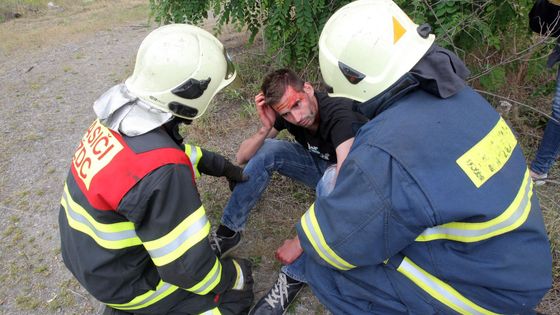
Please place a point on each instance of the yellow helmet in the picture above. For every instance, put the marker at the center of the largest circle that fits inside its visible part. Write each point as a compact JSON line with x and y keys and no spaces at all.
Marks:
{"x":367,"y":45}
{"x":179,"y":68}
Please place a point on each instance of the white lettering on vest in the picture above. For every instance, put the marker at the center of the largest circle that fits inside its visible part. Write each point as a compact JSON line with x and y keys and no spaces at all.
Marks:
{"x":97,"y":148}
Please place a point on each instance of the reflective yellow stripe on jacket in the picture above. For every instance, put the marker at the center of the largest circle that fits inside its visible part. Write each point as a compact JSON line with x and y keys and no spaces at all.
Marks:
{"x":185,"y":235}
{"x":239,"y":280}
{"x":210,"y":281}
{"x":513,"y":217}
{"x":440,"y":290}
{"x":194,"y":153}
{"x":162,"y":290}
{"x":214,"y":311}
{"x":313,"y":232}
{"x":111,"y":236}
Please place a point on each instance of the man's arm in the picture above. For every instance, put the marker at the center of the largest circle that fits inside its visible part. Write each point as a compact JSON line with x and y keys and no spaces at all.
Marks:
{"x":249,"y":147}
{"x":357,"y":223}
{"x":342,"y":152}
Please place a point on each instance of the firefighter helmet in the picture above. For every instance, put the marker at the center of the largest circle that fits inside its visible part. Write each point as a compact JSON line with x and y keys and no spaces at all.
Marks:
{"x":179,"y":68}
{"x":368,"y":45}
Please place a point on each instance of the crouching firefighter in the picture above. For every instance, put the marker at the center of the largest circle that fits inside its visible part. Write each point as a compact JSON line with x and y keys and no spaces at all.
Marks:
{"x":433,"y":211}
{"x":133,"y":230}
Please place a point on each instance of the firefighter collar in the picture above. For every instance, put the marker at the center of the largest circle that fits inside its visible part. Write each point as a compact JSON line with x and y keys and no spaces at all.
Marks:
{"x":118,"y":110}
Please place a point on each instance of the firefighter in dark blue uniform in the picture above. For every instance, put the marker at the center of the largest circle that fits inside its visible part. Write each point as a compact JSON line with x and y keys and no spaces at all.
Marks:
{"x":133,"y":229}
{"x":433,"y":211}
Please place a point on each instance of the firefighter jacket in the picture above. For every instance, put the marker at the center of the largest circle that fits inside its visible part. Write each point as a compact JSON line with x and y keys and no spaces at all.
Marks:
{"x":433,"y":212}
{"x":133,"y":229}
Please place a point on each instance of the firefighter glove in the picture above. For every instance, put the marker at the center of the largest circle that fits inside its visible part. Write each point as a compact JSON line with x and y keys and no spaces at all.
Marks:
{"x":234,"y":174}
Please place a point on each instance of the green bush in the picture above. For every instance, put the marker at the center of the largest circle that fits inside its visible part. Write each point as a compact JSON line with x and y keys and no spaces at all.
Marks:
{"x":291,"y":28}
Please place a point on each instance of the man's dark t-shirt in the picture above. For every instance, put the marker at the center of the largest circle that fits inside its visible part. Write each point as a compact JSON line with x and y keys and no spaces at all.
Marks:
{"x":337,"y":124}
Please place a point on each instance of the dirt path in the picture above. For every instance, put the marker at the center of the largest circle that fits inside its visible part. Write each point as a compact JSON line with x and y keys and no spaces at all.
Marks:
{"x":46,"y":94}
{"x":45,"y":106}
{"x":44,"y":97}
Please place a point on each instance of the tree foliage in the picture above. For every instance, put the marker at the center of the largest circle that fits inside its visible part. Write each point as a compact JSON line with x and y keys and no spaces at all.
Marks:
{"x":291,"y":28}
{"x":485,"y":32}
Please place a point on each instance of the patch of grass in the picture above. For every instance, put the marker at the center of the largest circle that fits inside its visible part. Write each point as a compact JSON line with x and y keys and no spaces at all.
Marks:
{"x":33,"y":137}
{"x":35,"y":85}
{"x":9,"y":231}
{"x":79,"y":55}
{"x":28,"y":302}
{"x":63,"y":300}
{"x":255,"y":261}
{"x":14,"y":219}
{"x":44,"y":270}
{"x":66,"y":22}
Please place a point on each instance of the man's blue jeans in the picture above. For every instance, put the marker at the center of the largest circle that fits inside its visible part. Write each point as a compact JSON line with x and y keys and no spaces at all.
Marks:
{"x":287,"y":158}
{"x":550,"y":144}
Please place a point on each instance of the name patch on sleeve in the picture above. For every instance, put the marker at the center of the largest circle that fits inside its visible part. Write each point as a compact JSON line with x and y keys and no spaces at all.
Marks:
{"x":96,"y":149}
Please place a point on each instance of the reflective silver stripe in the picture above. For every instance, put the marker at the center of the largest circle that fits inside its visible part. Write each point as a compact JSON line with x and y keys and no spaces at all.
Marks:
{"x":107,"y":236}
{"x":214,"y":311}
{"x":316,"y":239}
{"x":163,"y":290}
{"x":470,"y":232}
{"x":240,"y":280}
{"x":193,"y":156}
{"x":195,"y":228}
{"x":440,"y":290}
{"x":149,"y":298}
{"x":209,"y":282}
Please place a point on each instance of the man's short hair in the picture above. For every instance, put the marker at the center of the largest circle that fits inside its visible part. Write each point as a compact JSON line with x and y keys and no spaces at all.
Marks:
{"x":275,"y":84}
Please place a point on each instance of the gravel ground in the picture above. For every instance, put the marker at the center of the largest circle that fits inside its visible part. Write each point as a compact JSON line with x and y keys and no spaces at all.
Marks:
{"x":45,"y":102}
{"x":45,"y":96}
{"x":45,"y":106}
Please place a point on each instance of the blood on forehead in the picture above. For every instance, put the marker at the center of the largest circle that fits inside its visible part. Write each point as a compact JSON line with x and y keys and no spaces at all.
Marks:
{"x":288,"y":100}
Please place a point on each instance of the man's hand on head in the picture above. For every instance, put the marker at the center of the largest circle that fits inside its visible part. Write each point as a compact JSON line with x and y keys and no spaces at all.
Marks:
{"x":267,"y":115}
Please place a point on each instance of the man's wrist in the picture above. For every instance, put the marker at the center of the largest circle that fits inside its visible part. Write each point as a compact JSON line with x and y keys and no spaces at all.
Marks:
{"x":264,"y":131}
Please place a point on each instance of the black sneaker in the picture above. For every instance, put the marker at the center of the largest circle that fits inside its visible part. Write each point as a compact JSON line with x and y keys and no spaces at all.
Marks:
{"x":222,"y":245}
{"x":280,"y":296}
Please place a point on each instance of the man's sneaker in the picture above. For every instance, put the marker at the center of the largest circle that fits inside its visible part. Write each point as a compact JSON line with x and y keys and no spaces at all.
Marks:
{"x":538,"y":179}
{"x":222,"y":245}
{"x":280,"y":296}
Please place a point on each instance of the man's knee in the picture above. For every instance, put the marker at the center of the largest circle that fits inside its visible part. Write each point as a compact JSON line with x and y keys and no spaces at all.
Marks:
{"x":269,"y":153}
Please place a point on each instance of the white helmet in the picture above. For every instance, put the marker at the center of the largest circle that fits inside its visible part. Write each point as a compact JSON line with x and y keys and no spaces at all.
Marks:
{"x":367,"y":45}
{"x":179,"y":68}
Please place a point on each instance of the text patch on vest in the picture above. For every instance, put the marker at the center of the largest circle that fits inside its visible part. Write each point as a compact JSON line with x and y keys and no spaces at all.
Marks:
{"x":97,"y":148}
{"x":489,"y":155}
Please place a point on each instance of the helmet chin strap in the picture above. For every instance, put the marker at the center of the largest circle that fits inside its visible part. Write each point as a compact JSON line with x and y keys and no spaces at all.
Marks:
{"x":172,"y":128}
